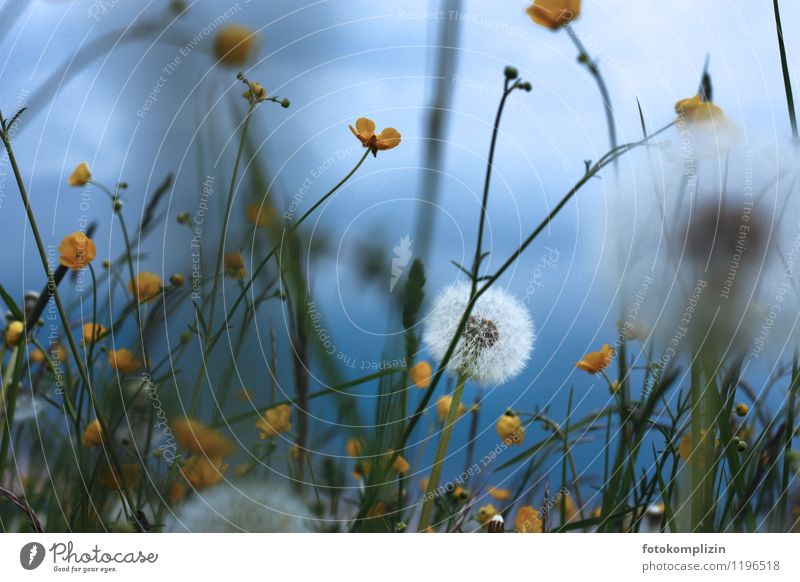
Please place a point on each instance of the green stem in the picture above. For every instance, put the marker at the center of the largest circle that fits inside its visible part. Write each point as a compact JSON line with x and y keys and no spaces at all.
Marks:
{"x":787,"y":81}
{"x":441,"y":453}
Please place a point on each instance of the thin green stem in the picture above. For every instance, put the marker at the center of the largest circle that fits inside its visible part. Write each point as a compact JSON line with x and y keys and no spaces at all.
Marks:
{"x":787,"y":81}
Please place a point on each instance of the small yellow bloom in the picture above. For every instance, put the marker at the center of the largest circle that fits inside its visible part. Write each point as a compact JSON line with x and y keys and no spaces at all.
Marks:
{"x":14,"y":333}
{"x":499,"y":494}
{"x":196,"y":437}
{"x":594,"y":362}
{"x":554,"y":14}
{"x":77,"y":250}
{"x":260,"y":215}
{"x":365,"y":132}
{"x":400,"y":464}
{"x":510,"y":430}
{"x":202,"y":472}
{"x":420,"y":374}
{"x":486,"y":513}
{"x":177,"y":279}
{"x":460,"y":493}
{"x":81,"y":175}
{"x":742,"y":409}
{"x":528,"y":520}
{"x":256,"y":92}
{"x":145,"y":287}
{"x":124,"y":361}
{"x":361,"y":470}
{"x":37,"y":356}
{"x":234,"y":266}
{"x":110,"y":478}
{"x":93,"y":435}
{"x":234,"y":44}
{"x":93,"y":332}
{"x":443,"y":405}
{"x":275,"y":421}
{"x":176,"y":494}
{"x":354,"y":446}
{"x":695,"y":110}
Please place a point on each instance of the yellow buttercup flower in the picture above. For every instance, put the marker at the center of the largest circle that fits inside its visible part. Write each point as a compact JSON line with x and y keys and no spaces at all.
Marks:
{"x":124,"y":361}
{"x":594,"y":362}
{"x":554,"y":14}
{"x":81,"y":175}
{"x":93,"y":435}
{"x":14,"y":333}
{"x":196,"y":437}
{"x":234,"y":44}
{"x":443,"y":406}
{"x":365,"y":132}
{"x":37,"y":356}
{"x":260,"y":215}
{"x":420,"y":374}
{"x":202,"y":472}
{"x":460,"y":493}
{"x":695,"y":110}
{"x":145,"y":287}
{"x":528,"y":520}
{"x":77,"y":250}
{"x":510,"y":430}
{"x":354,"y":446}
{"x":498,"y":493}
{"x":234,"y":266}
{"x":275,"y":421}
{"x":93,"y":332}
{"x":486,"y":513}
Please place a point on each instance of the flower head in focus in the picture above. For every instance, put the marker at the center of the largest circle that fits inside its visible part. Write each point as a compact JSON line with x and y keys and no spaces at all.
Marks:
{"x":496,"y":342}
{"x":77,"y":250}
{"x":196,"y":437}
{"x":275,"y":421}
{"x":80,"y":176}
{"x":234,"y":266}
{"x":595,"y":362}
{"x":509,"y":428}
{"x":234,"y":44}
{"x":146,"y":287}
{"x":365,"y":132}
{"x":554,"y":14}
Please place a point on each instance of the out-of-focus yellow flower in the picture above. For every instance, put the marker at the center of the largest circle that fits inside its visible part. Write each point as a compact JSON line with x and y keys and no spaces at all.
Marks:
{"x":443,"y":405}
{"x":361,"y":470}
{"x":110,"y":478}
{"x":554,"y":14}
{"x":196,"y":437}
{"x":234,"y":266}
{"x":420,"y":374}
{"x":37,"y":356}
{"x":460,"y":493}
{"x":260,"y":215}
{"x":275,"y":421}
{"x":14,"y":333}
{"x":176,"y":279}
{"x":202,"y":472}
{"x":423,"y":483}
{"x":400,"y":464}
{"x":498,"y":494}
{"x":93,"y":435}
{"x":354,"y":446}
{"x":695,"y":110}
{"x":93,"y":332}
{"x":234,"y":44}
{"x":742,"y":409}
{"x":244,"y":395}
{"x":485,"y":513}
{"x":528,"y":520}
{"x":594,"y":362}
{"x":177,"y":492}
{"x":510,"y":430}
{"x":124,"y":361}
{"x":633,"y":331}
{"x":242,"y":469}
{"x":145,"y":287}
{"x":296,"y":453}
{"x":81,"y":175}
{"x":688,"y":447}
{"x":365,"y":132}
{"x":77,"y":250}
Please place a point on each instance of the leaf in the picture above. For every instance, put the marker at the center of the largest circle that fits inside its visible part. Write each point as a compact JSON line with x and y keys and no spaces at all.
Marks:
{"x":12,"y":306}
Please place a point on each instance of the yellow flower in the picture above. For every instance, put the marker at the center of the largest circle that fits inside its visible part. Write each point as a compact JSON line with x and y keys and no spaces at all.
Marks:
{"x":400,"y":464}
{"x":509,"y":428}
{"x":81,"y":175}
{"x":196,"y":437}
{"x":528,"y":520}
{"x":176,"y":279}
{"x":93,"y":332}
{"x":570,"y":509}
{"x":234,"y":44}
{"x":234,"y":266}
{"x":14,"y":333}
{"x":594,"y":362}
{"x":354,"y":446}
{"x":123,"y":361}
{"x":37,"y":356}
{"x":742,"y":409}
{"x":77,"y":251}
{"x":365,"y":132}
{"x":255,"y":91}
{"x":695,"y":110}
{"x":443,"y":405}
{"x":93,"y":435}
{"x":498,"y":493}
{"x":176,"y":493}
{"x":110,"y":478}
{"x":275,"y":421}
{"x":554,"y":14}
{"x":260,"y":215}
{"x":202,"y":472}
{"x":485,"y":513}
{"x":420,"y":374}
{"x":361,"y":469}
{"x":460,"y":493}
{"x":145,"y":287}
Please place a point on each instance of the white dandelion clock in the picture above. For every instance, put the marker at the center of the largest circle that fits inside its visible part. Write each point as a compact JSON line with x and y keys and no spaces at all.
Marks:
{"x":496,"y":342}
